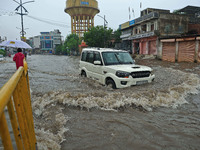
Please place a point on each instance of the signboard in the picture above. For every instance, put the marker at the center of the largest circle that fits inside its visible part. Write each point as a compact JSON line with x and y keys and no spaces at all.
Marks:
{"x":132,"y":22}
{"x":44,"y":32}
{"x":23,"y":38}
{"x":120,"y":27}
{"x":48,"y":44}
{"x":142,"y":35}
{"x":84,"y":3}
{"x":125,"y":25}
{"x":45,"y":37}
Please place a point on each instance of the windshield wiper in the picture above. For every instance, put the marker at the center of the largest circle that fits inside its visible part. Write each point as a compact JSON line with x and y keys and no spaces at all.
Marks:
{"x":118,"y":59}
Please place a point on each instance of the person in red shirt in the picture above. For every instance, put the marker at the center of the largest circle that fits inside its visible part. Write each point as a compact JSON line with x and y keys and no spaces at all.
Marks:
{"x":18,"y":58}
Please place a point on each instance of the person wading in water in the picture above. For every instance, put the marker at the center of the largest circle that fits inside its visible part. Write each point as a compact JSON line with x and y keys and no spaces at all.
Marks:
{"x":18,"y":58}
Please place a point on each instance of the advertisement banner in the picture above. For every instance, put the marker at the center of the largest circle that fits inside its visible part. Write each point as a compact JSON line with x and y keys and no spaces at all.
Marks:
{"x":132,"y":22}
{"x":125,"y":25}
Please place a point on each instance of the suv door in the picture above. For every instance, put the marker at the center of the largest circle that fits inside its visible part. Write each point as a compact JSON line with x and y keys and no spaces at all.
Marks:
{"x":97,"y":69}
{"x":89,"y":63}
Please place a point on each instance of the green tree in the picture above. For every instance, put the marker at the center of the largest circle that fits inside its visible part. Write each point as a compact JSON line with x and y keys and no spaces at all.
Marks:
{"x":65,"y":49}
{"x":71,"y":44}
{"x":2,"y":52}
{"x":58,"y":49}
{"x":117,"y":35}
{"x":98,"y":36}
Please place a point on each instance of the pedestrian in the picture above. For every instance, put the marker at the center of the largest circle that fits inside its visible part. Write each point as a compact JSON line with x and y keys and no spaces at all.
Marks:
{"x":25,"y":54}
{"x":19,"y":58}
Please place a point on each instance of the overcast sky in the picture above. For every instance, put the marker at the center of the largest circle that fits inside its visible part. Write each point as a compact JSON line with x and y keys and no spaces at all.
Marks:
{"x":115,"y":11}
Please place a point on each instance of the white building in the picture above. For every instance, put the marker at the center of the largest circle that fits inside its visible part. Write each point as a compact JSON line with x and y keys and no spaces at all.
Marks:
{"x":36,"y":41}
{"x":47,"y":41}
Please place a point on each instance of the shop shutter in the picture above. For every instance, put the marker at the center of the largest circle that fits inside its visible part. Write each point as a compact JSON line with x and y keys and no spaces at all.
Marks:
{"x":152,"y":48}
{"x":143,"y":48}
{"x":169,"y":51}
{"x":186,"y":51}
{"x":198,"y":57}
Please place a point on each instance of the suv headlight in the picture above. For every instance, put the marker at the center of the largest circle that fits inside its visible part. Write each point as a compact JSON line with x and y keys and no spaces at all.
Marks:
{"x":122,"y":74}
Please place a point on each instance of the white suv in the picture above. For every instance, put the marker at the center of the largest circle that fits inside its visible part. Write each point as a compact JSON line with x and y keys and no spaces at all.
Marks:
{"x":112,"y":67}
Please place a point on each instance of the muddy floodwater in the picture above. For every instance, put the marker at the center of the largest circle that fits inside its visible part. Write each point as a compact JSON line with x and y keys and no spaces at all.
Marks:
{"x":75,"y":113}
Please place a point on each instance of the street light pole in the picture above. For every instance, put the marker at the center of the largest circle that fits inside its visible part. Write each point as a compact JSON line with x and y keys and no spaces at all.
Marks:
{"x":22,"y":14}
{"x":104,"y":18}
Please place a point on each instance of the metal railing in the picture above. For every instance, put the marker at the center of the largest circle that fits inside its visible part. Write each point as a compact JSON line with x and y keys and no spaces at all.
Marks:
{"x":149,"y":16}
{"x":15,"y":94}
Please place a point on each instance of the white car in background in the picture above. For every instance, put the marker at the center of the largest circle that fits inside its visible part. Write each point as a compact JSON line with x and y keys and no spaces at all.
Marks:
{"x":2,"y":58}
{"x":114,"y":68}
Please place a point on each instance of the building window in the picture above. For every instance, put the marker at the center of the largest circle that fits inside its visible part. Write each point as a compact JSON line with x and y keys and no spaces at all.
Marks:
{"x":152,"y":27}
{"x":144,"y":28}
{"x":136,"y":31}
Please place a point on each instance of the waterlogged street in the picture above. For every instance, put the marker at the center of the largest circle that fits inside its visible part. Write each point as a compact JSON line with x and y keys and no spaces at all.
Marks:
{"x":76,"y":113}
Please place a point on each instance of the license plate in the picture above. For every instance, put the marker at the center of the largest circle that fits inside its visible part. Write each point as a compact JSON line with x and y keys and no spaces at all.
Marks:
{"x":141,"y":82}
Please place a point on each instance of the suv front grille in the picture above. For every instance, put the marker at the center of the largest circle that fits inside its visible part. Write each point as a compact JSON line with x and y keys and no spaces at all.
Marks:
{"x":140,"y":74}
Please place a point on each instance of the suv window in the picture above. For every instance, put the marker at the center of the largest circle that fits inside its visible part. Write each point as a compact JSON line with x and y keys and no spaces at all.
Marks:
{"x":97,"y":56}
{"x":90,"y":57}
{"x":83,"y":57}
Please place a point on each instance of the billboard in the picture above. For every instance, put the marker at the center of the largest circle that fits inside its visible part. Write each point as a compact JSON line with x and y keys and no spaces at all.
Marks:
{"x":132,"y":22}
{"x":125,"y":25}
{"x":120,"y":26}
{"x":48,"y":44}
{"x":84,"y":3}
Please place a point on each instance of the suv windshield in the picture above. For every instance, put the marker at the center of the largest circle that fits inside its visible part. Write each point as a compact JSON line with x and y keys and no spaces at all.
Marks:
{"x":116,"y":58}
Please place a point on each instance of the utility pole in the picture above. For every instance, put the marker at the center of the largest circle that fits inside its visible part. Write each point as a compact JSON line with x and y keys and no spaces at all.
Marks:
{"x":105,"y":22}
{"x":21,"y":13}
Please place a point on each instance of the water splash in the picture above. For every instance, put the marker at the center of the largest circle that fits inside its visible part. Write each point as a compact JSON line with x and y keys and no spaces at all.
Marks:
{"x":48,"y":107}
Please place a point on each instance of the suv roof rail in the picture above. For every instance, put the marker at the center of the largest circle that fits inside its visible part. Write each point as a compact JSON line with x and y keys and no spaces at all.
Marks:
{"x":97,"y":48}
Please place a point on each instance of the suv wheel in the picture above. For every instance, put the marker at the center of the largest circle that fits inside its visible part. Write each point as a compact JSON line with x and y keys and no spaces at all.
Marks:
{"x":83,"y":74}
{"x":111,"y":83}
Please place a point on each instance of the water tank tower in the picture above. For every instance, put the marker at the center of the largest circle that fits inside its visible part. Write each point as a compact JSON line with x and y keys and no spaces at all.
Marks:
{"x":82,"y":14}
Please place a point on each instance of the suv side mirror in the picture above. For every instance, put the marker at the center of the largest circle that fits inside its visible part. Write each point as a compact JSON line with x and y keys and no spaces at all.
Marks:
{"x":97,"y":62}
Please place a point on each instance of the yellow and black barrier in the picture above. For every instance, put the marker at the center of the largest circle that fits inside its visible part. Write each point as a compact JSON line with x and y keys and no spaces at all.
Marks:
{"x":15,"y":94}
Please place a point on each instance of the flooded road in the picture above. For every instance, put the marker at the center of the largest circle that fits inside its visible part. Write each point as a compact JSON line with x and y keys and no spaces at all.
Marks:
{"x":76,"y":113}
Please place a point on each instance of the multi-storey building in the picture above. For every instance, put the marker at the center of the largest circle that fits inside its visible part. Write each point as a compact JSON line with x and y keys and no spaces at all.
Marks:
{"x":49,"y":40}
{"x":145,"y":35}
{"x":34,"y":42}
{"x":46,"y":42}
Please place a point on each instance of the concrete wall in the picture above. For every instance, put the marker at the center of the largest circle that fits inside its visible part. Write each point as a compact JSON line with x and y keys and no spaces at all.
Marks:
{"x":194,"y":28}
{"x":173,"y":25}
{"x":159,"y":49}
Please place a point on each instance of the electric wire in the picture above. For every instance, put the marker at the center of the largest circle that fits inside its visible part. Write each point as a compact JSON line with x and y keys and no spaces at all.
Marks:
{"x":4,"y":12}
{"x":51,"y":22}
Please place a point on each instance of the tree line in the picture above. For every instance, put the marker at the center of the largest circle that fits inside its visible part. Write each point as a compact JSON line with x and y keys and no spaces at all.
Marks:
{"x":96,"y":37}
